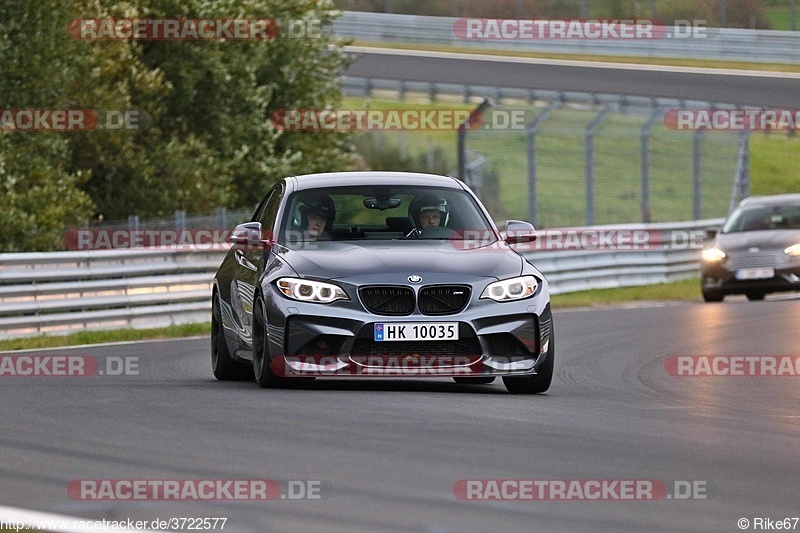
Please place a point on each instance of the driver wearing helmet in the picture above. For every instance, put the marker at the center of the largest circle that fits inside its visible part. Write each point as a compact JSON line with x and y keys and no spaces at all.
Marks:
{"x":429,"y":210}
{"x":317,"y":217}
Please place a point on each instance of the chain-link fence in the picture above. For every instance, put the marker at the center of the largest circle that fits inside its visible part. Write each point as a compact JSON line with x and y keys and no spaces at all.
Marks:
{"x":220,"y":219}
{"x":569,"y":164}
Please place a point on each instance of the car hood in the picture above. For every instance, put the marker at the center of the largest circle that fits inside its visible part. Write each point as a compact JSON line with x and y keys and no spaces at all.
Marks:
{"x":775,"y":240}
{"x":440,"y":260}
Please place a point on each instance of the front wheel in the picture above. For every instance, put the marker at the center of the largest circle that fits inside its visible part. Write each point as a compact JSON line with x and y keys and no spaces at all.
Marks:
{"x":535,"y":383}
{"x":755,"y":296}
{"x":261,"y":360}
{"x":713,"y":296}
{"x":222,"y":364}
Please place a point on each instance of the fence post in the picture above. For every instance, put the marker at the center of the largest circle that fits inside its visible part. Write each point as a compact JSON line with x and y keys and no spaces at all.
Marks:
{"x":533,"y":129}
{"x":134,"y":222}
{"x":589,"y":148}
{"x":646,"y":129}
{"x":697,"y":180}
{"x":741,"y":184}
{"x":461,"y":137}
{"x":222,"y":218}
{"x":180,"y":219}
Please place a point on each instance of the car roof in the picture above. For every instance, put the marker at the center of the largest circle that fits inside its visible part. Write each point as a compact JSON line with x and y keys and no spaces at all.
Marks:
{"x":777,"y":199}
{"x":361,"y":178}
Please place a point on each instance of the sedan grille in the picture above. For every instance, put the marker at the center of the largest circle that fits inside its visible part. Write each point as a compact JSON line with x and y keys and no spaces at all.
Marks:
{"x":756,"y":260}
{"x":388,"y":300}
{"x":443,"y":299}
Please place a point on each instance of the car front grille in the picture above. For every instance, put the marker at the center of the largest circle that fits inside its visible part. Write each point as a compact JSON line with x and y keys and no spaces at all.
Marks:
{"x":443,"y":299}
{"x":756,"y":260}
{"x":388,"y":300}
{"x":463,"y":347}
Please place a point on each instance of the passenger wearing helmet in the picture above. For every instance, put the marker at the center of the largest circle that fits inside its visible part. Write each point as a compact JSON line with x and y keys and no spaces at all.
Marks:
{"x":317,"y":216}
{"x":429,"y":210}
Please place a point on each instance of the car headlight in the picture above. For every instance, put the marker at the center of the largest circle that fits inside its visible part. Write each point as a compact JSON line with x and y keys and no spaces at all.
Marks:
{"x":793,"y":250}
{"x":713,"y":255}
{"x":512,"y":289}
{"x":307,"y":290}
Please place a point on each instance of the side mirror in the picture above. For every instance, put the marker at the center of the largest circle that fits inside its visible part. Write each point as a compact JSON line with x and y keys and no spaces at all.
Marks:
{"x":711,"y":233}
{"x":519,"y":232}
{"x":251,"y":236}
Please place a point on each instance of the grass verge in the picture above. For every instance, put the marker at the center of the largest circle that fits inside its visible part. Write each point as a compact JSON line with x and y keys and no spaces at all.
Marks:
{"x":96,"y":337}
{"x":687,"y":290}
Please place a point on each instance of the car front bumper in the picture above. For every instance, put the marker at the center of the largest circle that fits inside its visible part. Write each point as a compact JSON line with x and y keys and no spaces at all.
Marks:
{"x":495,"y":339}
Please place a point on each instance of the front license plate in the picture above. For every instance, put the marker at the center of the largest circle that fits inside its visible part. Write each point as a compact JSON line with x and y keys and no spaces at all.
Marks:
{"x":423,"y":331}
{"x":755,"y":273}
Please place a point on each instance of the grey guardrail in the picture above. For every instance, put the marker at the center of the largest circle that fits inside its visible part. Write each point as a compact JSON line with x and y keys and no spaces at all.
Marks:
{"x":677,"y":258}
{"x":719,"y":44}
{"x":62,"y":292}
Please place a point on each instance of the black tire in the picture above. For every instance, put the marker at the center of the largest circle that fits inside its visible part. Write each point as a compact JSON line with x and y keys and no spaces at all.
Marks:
{"x":262,"y":370}
{"x":713,"y":296}
{"x":222,"y":364}
{"x":756,"y":296}
{"x":475,"y":381}
{"x":535,"y":383}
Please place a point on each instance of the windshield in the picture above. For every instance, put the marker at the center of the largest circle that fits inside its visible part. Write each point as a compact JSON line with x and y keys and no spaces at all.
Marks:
{"x":384,"y":213}
{"x":764,"y":218}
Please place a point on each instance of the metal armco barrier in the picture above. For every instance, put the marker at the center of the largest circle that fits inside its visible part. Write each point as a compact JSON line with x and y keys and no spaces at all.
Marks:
{"x":63,"y":292}
{"x":770,"y":46}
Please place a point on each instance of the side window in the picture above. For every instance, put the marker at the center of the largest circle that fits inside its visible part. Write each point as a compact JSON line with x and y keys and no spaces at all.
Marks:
{"x":270,"y":209}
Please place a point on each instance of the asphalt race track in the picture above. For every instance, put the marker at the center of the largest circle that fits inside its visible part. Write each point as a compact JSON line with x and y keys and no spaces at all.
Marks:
{"x":389,"y":452}
{"x":781,"y":91}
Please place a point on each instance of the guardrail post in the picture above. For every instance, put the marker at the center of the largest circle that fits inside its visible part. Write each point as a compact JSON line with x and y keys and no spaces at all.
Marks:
{"x":401,"y":90}
{"x":646,"y":130}
{"x":589,"y":148}
{"x":533,"y":128}
{"x":222,"y":218}
{"x":134,"y":222}
{"x":697,"y":181}
{"x":432,"y":92}
{"x":180,"y":219}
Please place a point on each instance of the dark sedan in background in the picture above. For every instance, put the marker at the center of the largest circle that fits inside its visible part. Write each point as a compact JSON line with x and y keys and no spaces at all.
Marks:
{"x":756,"y":252}
{"x":380,"y":274}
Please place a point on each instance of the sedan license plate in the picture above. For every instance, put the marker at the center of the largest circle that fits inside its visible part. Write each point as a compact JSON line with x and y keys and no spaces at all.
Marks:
{"x":755,"y":273}
{"x":412,"y":331}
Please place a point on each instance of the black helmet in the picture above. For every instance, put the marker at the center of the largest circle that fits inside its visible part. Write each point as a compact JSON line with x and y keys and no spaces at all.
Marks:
{"x":428,"y":202}
{"x":319,"y":205}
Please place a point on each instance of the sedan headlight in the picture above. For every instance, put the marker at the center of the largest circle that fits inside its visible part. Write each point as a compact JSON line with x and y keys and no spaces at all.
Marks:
{"x":512,"y":289}
{"x":793,"y":250}
{"x":713,"y":255}
{"x":307,"y":290}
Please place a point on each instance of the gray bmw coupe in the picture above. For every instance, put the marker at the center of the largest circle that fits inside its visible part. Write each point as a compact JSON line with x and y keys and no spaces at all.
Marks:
{"x":380,"y":274}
